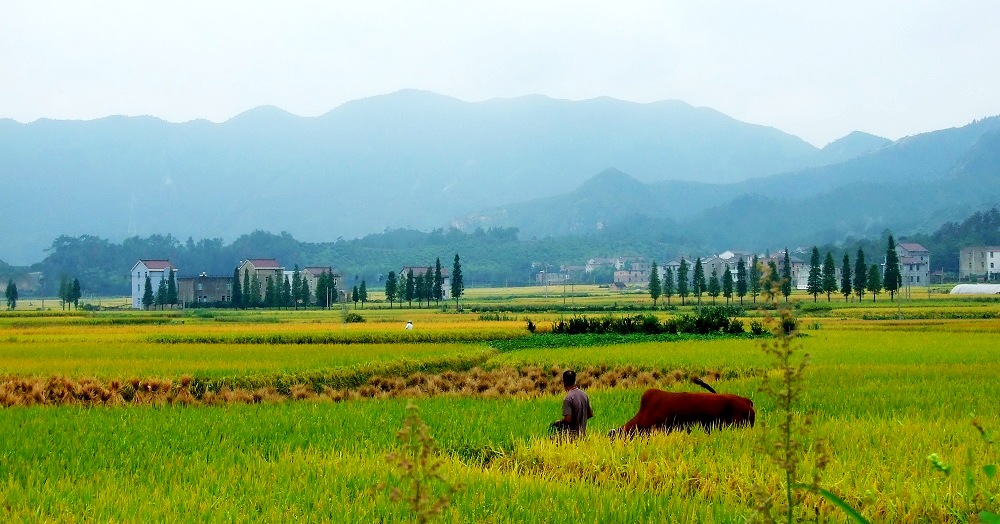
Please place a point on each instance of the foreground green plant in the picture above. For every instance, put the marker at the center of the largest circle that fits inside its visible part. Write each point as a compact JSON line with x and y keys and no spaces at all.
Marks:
{"x":974,"y":491}
{"x":420,"y":468}
{"x":786,"y":444}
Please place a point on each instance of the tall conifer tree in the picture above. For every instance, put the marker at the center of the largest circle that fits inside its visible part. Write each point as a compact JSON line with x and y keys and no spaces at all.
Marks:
{"x":161,"y":293}
{"x":438,"y":290}
{"x":147,"y":293}
{"x":286,"y":293}
{"x":237,"y":300}
{"x":410,"y":287}
{"x":741,"y":279}
{"x":814,"y":286}
{"x":296,"y":286}
{"x":76,"y":293}
{"x":860,"y":274}
{"x":654,"y":283}
{"x":390,"y":288}
{"x":829,"y":275}
{"x":682,"y":281}
{"x":845,"y":277}
{"x":11,"y":294}
{"x":874,"y":281}
{"x":247,"y":297}
{"x":786,"y":276}
{"x":727,"y":284}
{"x":893,"y":277}
{"x":172,"y":288}
{"x":713,"y":285}
{"x":457,"y":280}
{"x":668,"y":283}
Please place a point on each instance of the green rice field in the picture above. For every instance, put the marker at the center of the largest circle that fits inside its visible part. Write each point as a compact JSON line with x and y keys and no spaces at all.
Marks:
{"x":280,"y":416}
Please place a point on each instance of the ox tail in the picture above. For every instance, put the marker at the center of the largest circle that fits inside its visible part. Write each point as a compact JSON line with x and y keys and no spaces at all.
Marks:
{"x":702,"y":383}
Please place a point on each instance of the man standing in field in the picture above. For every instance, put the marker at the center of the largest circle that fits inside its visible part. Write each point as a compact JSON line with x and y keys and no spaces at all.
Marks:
{"x":576,"y":408}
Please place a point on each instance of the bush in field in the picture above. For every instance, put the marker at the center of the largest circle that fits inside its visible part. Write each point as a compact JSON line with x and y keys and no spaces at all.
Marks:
{"x":353,"y":318}
{"x":710,"y":320}
{"x":498,"y":316}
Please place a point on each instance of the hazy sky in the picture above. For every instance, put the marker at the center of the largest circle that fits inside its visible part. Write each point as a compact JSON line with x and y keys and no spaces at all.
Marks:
{"x":815,"y":69}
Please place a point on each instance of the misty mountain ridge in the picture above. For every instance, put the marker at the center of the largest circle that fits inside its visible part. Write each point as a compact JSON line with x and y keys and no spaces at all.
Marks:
{"x":914,"y":184}
{"x":407,"y":159}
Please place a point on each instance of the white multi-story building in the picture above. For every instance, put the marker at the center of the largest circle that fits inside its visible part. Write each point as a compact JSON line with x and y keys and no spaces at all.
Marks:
{"x":914,"y":264}
{"x":979,"y":261}
{"x":156,"y":270}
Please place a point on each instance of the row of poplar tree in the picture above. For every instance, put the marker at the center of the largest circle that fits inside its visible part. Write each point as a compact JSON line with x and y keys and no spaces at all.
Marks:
{"x":166,"y":292}
{"x":69,"y":293}
{"x":426,"y":286}
{"x":760,"y":279}
{"x":294,"y":294}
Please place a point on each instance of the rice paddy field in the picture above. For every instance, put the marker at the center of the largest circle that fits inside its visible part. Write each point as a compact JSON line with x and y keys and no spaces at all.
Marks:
{"x":279,"y":416}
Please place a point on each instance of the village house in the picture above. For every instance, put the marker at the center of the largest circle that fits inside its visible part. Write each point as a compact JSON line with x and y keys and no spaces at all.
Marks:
{"x":310,"y":276}
{"x":799,"y":269}
{"x":204,"y":289}
{"x":156,"y":270}
{"x":914,"y":264}
{"x":718,"y":263}
{"x":632,"y":270}
{"x":548,"y":277}
{"x":594,"y":264}
{"x":265,"y":269}
{"x":979,"y":262}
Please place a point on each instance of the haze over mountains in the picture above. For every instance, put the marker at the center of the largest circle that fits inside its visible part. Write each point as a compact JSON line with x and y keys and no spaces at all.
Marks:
{"x":421,"y":160}
{"x":914,"y":184}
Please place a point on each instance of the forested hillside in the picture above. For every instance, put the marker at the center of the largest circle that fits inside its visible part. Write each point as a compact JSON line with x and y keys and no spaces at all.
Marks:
{"x":494,"y":257}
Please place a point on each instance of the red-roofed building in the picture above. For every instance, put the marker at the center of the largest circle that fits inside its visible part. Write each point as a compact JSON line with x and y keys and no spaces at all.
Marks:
{"x":156,"y":270}
{"x":310,"y":275}
{"x":265,"y":269}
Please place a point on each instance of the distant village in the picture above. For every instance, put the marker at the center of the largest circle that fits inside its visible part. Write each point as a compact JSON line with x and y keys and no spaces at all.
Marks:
{"x":634,"y":271}
{"x":215,"y":290}
{"x":978,"y":263}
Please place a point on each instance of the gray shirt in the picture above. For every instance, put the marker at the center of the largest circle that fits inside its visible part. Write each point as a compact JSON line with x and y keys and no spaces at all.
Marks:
{"x":577,"y":406}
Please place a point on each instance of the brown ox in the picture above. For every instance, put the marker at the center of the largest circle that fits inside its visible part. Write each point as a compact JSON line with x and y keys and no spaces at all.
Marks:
{"x":667,"y":411}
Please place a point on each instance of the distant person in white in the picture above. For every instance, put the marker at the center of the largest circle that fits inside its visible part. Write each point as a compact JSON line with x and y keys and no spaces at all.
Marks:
{"x":409,"y":324}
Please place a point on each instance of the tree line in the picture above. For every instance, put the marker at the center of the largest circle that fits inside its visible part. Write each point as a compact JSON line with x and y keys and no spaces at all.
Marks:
{"x":426,"y":286}
{"x":766,"y":279}
{"x":501,"y":257}
{"x":250,"y":292}
{"x":166,"y":292}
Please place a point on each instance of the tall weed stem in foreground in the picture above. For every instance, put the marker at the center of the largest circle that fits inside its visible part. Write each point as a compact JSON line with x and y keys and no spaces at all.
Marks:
{"x":786,"y":442}
{"x":420,"y":469}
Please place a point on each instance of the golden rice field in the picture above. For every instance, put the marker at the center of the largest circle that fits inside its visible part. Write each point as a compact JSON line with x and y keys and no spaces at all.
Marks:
{"x":275,"y":416}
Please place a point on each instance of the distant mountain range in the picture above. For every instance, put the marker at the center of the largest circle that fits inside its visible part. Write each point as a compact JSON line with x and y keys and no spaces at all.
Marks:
{"x":418,"y":159}
{"x":914,"y":184}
